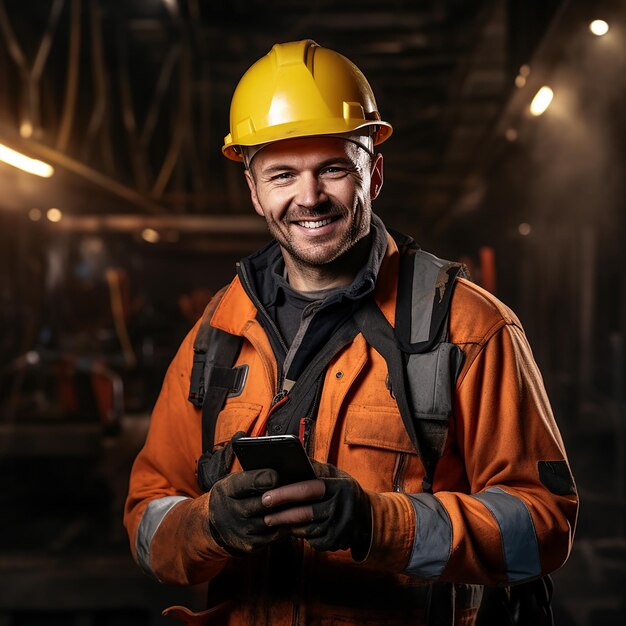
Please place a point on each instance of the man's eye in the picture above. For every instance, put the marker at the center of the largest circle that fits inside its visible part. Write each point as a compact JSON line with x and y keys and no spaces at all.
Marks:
{"x":334,"y":171}
{"x":282,"y":176}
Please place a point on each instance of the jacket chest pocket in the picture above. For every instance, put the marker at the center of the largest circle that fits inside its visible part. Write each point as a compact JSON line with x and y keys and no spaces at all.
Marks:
{"x":235,"y":417}
{"x":377,"y":450}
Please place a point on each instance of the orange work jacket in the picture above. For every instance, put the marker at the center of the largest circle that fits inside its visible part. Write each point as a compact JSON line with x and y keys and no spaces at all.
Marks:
{"x":503,"y":507}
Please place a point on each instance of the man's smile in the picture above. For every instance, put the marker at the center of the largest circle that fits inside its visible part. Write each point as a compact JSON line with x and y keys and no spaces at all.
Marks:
{"x":315,"y":224}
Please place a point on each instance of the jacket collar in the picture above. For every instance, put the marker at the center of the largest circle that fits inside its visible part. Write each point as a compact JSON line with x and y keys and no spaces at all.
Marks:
{"x":236,"y":309}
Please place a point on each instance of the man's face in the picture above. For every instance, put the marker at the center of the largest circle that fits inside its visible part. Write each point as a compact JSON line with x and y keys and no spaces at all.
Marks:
{"x":315,"y":194}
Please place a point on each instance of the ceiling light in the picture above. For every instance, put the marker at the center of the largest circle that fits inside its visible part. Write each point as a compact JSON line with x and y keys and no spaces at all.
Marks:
{"x":520,"y":81}
{"x":35,"y":215}
{"x":26,"y":129}
{"x":150,"y":235}
{"x":22,"y":162}
{"x":541,"y":101}
{"x":171,"y":5}
{"x":511,"y":134}
{"x":54,"y":215}
{"x":524,"y":229}
{"x":599,"y":27}
{"x":524,"y":71}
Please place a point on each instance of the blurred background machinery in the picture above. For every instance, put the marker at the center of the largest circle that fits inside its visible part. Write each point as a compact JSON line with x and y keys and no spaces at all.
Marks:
{"x":119,"y":218}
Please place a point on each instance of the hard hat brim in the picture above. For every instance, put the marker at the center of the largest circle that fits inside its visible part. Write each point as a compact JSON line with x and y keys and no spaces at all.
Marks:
{"x":311,"y":128}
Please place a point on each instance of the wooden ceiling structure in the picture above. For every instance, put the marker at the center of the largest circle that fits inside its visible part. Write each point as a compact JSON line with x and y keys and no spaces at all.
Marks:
{"x":129,"y":100}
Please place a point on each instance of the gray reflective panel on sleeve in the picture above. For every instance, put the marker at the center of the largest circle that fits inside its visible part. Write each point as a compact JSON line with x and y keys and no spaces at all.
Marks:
{"x":150,"y":521}
{"x":433,"y":537}
{"x":519,"y":540}
{"x":425,"y":273}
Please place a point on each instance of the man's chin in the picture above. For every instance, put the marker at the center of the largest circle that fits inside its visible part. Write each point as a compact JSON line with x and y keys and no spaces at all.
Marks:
{"x":315,"y":261}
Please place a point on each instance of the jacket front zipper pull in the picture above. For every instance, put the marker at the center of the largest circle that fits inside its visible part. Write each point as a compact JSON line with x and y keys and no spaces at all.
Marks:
{"x":278,"y":398}
{"x":278,"y":401}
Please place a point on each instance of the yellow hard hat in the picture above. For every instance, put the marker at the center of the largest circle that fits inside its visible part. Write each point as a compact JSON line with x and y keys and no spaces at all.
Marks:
{"x":300,"y":89}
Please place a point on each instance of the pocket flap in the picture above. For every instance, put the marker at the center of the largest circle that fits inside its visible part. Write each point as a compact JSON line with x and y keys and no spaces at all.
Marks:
{"x":377,"y":427}
{"x":235,"y":416}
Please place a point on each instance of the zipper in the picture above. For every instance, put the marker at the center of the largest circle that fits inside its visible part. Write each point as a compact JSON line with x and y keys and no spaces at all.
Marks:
{"x":309,"y":421}
{"x":278,"y":398}
{"x":399,"y":470}
{"x":261,"y":309}
{"x":277,"y":402}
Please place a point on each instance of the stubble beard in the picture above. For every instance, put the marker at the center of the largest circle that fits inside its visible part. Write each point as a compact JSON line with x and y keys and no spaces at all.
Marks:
{"x":319,"y":256}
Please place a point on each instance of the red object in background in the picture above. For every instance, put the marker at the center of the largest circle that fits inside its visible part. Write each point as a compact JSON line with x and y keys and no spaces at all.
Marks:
{"x":487,"y":256}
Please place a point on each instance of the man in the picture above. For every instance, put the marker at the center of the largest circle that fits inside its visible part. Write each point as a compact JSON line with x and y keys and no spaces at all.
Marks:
{"x":367,"y":540}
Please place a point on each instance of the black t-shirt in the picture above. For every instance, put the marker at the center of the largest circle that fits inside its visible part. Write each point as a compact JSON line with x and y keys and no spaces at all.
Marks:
{"x":290,"y":305}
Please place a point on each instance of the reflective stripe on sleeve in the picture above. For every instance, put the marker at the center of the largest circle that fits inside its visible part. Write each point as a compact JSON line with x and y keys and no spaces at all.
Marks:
{"x":433,"y":537}
{"x":519,"y":540}
{"x":150,"y":521}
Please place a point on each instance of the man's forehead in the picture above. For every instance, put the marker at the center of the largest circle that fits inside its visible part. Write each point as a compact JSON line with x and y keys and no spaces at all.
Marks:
{"x":306,"y":149}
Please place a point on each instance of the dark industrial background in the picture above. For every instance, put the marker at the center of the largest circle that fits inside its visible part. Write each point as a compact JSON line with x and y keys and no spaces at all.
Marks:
{"x":105,"y":265}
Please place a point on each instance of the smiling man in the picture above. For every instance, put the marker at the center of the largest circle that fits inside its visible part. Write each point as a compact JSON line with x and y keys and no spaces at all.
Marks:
{"x":439,"y":465}
{"x":315,"y":194}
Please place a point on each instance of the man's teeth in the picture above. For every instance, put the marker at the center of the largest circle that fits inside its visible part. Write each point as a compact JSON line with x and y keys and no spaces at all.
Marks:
{"x":317,"y":224}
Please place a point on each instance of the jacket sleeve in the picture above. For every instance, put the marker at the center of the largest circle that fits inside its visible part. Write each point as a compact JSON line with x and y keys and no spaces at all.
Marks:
{"x":517,"y":520}
{"x":166,"y":513}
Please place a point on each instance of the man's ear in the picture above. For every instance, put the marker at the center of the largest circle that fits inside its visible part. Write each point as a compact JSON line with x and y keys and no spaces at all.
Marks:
{"x":376,"y":181}
{"x":253,"y":195}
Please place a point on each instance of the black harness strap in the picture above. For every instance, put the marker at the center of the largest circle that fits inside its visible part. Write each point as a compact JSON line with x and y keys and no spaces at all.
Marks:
{"x":221,"y":380}
{"x":302,"y":394}
{"x":213,"y":377}
{"x":420,"y":373}
{"x":379,"y":334}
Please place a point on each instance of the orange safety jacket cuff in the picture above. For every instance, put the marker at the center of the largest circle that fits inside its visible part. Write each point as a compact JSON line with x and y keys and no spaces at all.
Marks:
{"x":150,"y":521}
{"x":174,"y":543}
{"x":393,"y":531}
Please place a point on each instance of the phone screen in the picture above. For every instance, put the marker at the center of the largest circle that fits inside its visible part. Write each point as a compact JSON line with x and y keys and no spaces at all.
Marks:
{"x":283,"y":453}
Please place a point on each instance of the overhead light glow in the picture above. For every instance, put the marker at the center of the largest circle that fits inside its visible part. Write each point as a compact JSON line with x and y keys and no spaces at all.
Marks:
{"x":524,"y":70}
{"x":26,"y":129}
{"x":22,"y":162}
{"x":541,"y":101}
{"x":524,"y":229}
{"x":520,"y":81}
{"x":150,"y":235}
{"x":172,"y":5}
{"x":511,"y":134}
{"x":599,"y":27}
{"x":34,"y":215}
{"x":54,"y":215}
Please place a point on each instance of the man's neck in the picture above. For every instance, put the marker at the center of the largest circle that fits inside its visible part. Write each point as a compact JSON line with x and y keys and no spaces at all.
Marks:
{"x":339,"y":273}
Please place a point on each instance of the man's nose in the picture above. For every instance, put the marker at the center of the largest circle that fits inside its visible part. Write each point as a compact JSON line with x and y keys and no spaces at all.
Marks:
{"x":310,"y":191}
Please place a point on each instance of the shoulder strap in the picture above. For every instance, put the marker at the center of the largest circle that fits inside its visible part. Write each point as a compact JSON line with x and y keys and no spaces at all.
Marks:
{"x":425,"y":287}
{"x":422,"y":364}
{"x":213,"y":376}
{"x":379,"y":334}
{"x":297,"y":404}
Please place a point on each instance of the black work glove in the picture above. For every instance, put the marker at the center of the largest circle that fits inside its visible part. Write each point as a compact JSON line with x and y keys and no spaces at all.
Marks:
{"x":212,"y":466}
{"x":236,"y":512}
{"x":342,"y":519}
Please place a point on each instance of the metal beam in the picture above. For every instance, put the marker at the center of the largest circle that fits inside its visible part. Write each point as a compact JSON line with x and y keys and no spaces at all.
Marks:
{"x":41,"y":151}
{"x":201,"y":224}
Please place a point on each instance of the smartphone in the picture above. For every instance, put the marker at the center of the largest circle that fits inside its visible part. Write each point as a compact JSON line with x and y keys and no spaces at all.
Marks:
{"x":283,"y":453}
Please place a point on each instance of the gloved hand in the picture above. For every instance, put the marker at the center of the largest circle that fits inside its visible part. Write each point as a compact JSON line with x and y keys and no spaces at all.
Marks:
{"x":214,"y":465}
{"x":236,"y":512}
{"x":340,"y":520}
